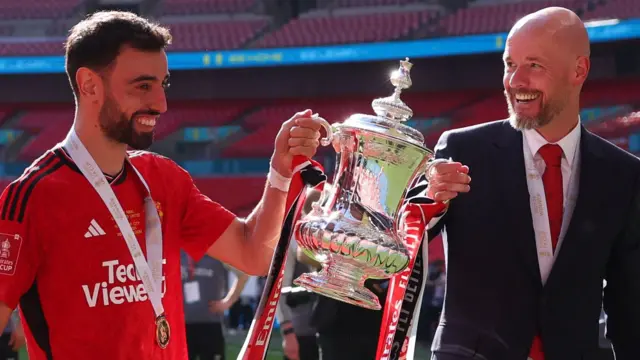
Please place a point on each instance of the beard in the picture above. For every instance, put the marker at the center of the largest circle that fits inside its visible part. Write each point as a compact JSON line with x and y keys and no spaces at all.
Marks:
{"x":548,"y":111}
{"x":117,"y":126}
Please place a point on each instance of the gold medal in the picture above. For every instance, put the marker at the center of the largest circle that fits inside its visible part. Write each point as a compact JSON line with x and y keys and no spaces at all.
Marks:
{"x":163,"y":332}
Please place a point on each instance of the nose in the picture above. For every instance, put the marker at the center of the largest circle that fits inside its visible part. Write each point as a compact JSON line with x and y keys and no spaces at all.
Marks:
{"x":518,"y":79}
{"x":160,"y":102}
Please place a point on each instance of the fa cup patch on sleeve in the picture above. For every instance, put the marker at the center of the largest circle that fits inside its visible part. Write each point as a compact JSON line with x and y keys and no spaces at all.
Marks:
{"x":9,"y":252}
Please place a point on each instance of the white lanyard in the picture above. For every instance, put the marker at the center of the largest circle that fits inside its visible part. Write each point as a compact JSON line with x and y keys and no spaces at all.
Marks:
{"x":540,"y":216}
{"x":151,"y":276}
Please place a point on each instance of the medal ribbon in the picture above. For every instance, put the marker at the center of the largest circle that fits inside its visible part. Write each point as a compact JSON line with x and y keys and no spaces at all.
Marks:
{"x":404,"y":296}
{"x":307,"y":173}
{"x":150,"y":272}
{"x":540,"y":215}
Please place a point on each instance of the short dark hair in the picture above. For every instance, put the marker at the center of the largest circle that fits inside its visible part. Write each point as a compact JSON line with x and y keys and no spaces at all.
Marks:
{"x":96,"y":41}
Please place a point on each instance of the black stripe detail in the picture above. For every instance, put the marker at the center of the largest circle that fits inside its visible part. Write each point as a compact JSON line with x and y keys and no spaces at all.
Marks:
{"x":33,"y":171}
{"x":121,"y":177}
{"x":66,"y":159}
{"x":7,"y":200}
{"x":49,"y":171}
{"x":31,"y":307}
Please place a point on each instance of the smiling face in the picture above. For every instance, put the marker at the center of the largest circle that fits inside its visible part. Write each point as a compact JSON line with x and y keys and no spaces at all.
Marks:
{"x":536,"y":79}
{"x":134,"y":97}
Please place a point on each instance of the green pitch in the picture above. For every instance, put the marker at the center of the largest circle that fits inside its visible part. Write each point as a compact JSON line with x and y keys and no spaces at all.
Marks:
{"x":234,"y":345}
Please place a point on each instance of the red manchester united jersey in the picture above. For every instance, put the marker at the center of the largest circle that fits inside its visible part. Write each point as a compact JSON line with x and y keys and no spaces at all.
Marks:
{"x":64,"y":262}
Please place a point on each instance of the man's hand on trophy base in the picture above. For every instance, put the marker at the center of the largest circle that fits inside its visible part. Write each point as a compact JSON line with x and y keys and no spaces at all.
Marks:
{"x":298,"y":136}
{"x":447,"y":180}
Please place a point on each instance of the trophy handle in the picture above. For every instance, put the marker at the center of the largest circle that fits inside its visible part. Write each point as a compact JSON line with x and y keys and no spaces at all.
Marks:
{"x":325,"y":141}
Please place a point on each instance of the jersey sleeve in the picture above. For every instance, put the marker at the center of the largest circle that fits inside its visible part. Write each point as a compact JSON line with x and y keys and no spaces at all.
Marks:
{"x":20,"y":251}
{"x":203,"y":220}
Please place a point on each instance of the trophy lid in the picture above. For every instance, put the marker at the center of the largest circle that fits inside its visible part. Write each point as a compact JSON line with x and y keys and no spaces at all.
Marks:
{"x":391,"y":111}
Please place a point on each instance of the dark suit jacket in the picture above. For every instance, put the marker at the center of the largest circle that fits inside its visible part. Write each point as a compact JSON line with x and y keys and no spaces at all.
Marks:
{"x":495,"y":301}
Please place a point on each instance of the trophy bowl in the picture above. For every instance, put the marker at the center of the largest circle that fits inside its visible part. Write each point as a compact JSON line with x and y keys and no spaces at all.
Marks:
{"x":354,"y":229}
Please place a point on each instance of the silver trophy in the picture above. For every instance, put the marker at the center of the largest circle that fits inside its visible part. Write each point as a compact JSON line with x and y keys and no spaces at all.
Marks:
{"x":354,"y":230}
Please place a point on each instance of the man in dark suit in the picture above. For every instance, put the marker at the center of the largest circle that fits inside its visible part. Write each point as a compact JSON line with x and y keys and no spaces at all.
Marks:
{"x":553,"y":212}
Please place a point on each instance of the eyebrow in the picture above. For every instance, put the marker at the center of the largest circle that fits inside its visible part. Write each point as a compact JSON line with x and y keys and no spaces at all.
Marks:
{"x":533,"y":58}
{"x":149,"y":78}
{"x":528,"y":58}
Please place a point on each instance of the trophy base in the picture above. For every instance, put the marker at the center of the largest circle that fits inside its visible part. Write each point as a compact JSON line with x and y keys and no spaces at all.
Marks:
{"x":339,"y":288}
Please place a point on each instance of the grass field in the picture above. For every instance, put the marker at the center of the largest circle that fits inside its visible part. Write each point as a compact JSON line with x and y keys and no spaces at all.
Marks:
{"x":234,"y":345}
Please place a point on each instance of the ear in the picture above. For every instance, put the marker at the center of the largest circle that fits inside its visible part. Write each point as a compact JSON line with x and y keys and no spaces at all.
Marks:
{"x":583,"y":65}
{"x":90,"y":84}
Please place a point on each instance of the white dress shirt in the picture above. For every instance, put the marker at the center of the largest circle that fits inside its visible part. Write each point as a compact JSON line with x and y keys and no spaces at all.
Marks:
{"x":570,"y":154}
{"x":570,"y":165}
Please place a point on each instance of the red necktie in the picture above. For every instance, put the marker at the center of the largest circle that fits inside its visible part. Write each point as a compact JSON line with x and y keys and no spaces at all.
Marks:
{"x":552,"y":180}
{"x":554,"y":194}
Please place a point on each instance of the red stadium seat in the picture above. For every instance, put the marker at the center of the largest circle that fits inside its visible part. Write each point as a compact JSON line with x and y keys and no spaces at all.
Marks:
{"x":363,"y":3}
{"x":496,"y":17}
{"x":189,"y":7}
{"x":37,"y":9}
{"x":614,"y":9}
{"x":214,"y":35}
{"x":217,"y":188}
{"x":343,"y":29}
{"x":618,"y":126}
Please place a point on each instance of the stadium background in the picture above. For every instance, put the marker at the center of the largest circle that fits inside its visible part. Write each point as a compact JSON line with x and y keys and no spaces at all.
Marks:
{"x":241,"y":67}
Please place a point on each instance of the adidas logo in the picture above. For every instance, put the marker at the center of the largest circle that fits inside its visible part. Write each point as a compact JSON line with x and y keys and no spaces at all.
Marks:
{"x":94,"y":230}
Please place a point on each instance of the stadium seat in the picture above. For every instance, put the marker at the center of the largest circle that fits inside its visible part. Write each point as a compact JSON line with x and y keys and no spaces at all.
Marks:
{"x":37,"y":9}
{"x":249,"y":190}
{"x":263,"y":125}
{"x":192,"y":7}
{"x":5,"y":111}
{"x":494,"y":17}
{"x":214,"y":35}
{"x":367,"y":3}
{"x":614,"y":9}
{"x":618,"y":126}
{"x":347,"y":28}
{"x":198,"y":114}
{"x":187,"y":36}
{"x":31,"y":48}
{"x":48,"y":126}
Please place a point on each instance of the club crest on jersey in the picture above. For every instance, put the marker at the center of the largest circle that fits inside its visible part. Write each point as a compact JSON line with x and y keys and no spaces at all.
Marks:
{"x":9,"y":252}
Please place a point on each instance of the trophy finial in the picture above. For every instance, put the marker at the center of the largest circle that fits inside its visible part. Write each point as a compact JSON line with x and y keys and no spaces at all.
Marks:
{"x":393,"y":107}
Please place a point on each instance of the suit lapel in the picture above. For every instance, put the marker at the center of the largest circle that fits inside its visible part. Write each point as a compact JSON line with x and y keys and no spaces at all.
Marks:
{"x":512,"y":183}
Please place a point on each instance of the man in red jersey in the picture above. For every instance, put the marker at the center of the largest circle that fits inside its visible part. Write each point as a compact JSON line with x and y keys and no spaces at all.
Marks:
{"x":90,"y":232}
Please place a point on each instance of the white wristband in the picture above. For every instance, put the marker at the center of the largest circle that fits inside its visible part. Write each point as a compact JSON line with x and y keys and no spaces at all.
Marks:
{"x":278,"y":181}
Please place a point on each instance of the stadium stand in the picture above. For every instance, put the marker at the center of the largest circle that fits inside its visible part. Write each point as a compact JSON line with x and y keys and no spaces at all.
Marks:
{"x":47,"y":125}
{"x":37,"y":9}
{"x":322,"y":28}
{"x":230,"y":24}
{"x":189,"y":7}
{"x":613,"y":9}
{"x":495,"y":16}
{"x":215,"y":35}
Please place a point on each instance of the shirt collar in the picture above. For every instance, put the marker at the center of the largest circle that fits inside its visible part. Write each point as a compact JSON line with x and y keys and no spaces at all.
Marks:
{"x":569,"y":143}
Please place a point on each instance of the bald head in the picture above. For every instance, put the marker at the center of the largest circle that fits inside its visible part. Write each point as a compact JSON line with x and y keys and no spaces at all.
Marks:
{"x":546,"y":61}
{"x":562,"y":26}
